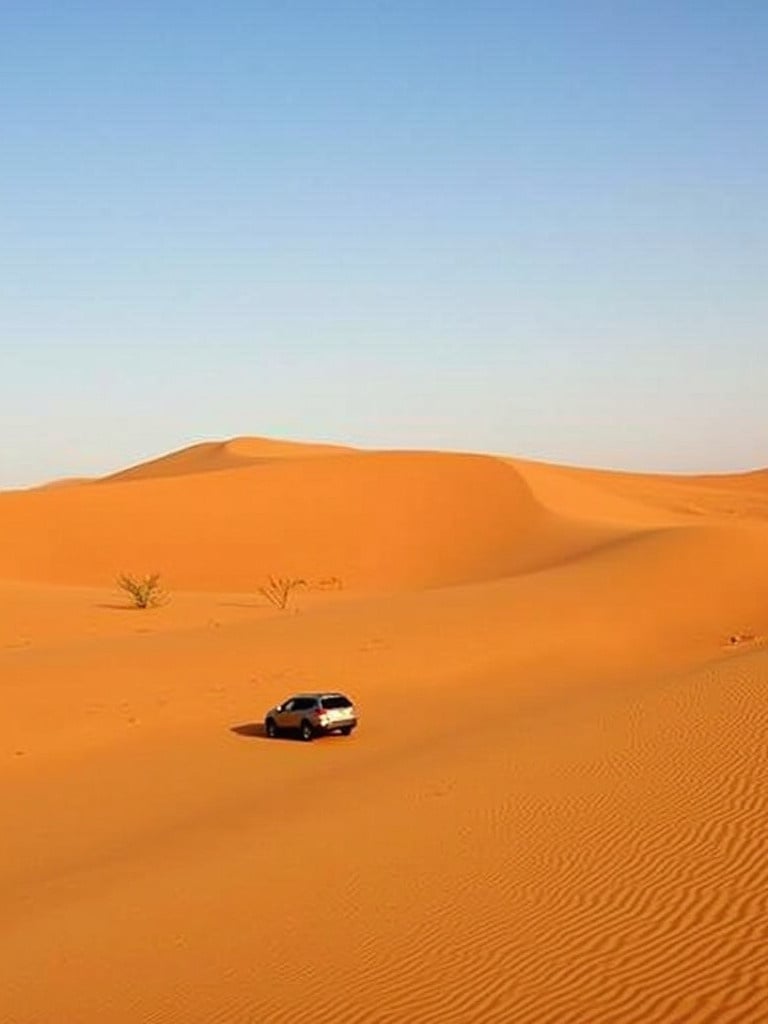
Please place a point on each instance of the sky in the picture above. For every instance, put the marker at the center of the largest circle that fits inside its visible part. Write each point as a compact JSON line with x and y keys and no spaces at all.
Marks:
{"x":537,"y":229}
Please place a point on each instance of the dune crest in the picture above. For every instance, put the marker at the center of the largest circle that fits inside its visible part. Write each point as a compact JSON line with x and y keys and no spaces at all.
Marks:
{"x":214,"y":456}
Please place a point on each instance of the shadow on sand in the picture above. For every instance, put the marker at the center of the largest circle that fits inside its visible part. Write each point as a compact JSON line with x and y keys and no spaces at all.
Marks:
{"x":252,"y":729}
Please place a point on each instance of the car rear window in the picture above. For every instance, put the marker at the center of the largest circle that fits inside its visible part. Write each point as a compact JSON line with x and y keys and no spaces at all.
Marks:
{"x":336,"y":702}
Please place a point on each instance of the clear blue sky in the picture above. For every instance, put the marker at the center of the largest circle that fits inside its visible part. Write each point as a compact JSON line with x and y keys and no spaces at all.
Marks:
{"x":535,"y":228}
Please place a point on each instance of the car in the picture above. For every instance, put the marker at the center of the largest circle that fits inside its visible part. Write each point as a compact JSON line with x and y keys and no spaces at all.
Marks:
{"x":311,"y":715}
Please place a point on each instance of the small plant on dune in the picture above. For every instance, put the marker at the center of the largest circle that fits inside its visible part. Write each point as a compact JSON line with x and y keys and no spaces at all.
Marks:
{"x":278,"y":590}
{"x":745,"y":637}
{"x":144,"y":591}
{"x":330,"y":583}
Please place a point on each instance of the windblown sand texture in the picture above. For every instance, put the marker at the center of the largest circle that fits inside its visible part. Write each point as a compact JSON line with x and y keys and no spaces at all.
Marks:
{"x":555,"y":809}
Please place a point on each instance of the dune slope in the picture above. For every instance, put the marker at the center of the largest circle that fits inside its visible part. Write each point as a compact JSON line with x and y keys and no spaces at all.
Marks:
{"x":554,"y":809}
{"x":591,"y":853}
{"x":373,"y":520}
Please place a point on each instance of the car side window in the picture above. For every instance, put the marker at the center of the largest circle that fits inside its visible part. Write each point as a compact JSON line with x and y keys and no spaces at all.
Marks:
{"x":332,"y":703}
{"x":303,"y":704}
{"x":290,"y":705}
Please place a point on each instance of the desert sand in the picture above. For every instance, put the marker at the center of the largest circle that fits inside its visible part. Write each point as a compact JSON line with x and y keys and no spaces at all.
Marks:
{"x":554,"y":809}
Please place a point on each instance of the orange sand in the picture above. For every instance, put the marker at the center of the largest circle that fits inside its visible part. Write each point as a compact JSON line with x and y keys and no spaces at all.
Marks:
{"x":554,"y":809}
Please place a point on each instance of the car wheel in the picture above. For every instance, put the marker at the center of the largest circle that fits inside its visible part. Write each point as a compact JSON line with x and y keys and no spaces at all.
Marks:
{"x":270,"y":728}
{"x":346,"y":730}
{"x":306,"y":731}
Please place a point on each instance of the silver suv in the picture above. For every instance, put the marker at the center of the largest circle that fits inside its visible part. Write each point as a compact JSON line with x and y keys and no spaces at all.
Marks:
{"x":312,"y":714}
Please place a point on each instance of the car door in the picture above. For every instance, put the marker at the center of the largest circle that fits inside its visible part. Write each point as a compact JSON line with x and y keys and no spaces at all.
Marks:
{"x":287,"y":716}
{"x":300,"y":708}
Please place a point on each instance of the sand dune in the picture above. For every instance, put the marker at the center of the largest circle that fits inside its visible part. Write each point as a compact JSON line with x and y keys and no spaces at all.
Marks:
{"x":212,"y":456}
{"x":376,"y":520}
{"x":647,"y":498}
{"x":72,"y":481}
{"x":553,"y":812}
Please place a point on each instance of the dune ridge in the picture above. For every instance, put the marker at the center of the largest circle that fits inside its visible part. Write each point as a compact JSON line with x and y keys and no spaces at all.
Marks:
{"x":213,"y":456}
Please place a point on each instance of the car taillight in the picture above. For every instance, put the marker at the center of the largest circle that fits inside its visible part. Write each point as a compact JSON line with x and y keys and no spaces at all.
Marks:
{"x":321,"y":712}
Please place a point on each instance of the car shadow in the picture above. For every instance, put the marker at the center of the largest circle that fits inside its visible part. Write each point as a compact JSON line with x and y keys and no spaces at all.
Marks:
{"x":252,"y":729}
{"x":256,"y":731}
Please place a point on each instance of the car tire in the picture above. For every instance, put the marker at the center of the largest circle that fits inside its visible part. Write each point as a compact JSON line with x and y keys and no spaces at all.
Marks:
{"x":270,"y":728}
{"x":306,"y":731}
{"x":346,"y":730}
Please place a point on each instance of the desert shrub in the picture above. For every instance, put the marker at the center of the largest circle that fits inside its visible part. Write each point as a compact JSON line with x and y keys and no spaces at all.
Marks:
{"x":278,"y":590}
{"x":144,"y":591}
{"x":329,"y":583}
{"x":742,"y":638}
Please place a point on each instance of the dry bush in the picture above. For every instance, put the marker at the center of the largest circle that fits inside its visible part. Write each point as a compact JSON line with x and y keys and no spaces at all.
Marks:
{"x":144,"y":591}
{"x":329,"y":583}
{"x":278,"y":590}
{"x":742,"y":638}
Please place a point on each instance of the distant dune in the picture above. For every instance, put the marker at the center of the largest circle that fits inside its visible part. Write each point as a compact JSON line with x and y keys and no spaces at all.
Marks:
{"x":221,"y":516}
{"x":374,"y":520}
{"x":67,"y":481}
{"x":554,"y":809}
{"x":212,"y":456}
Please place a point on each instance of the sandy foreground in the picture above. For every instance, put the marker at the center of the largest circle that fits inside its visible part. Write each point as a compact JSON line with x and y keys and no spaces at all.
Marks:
{"x":555,"y":808}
